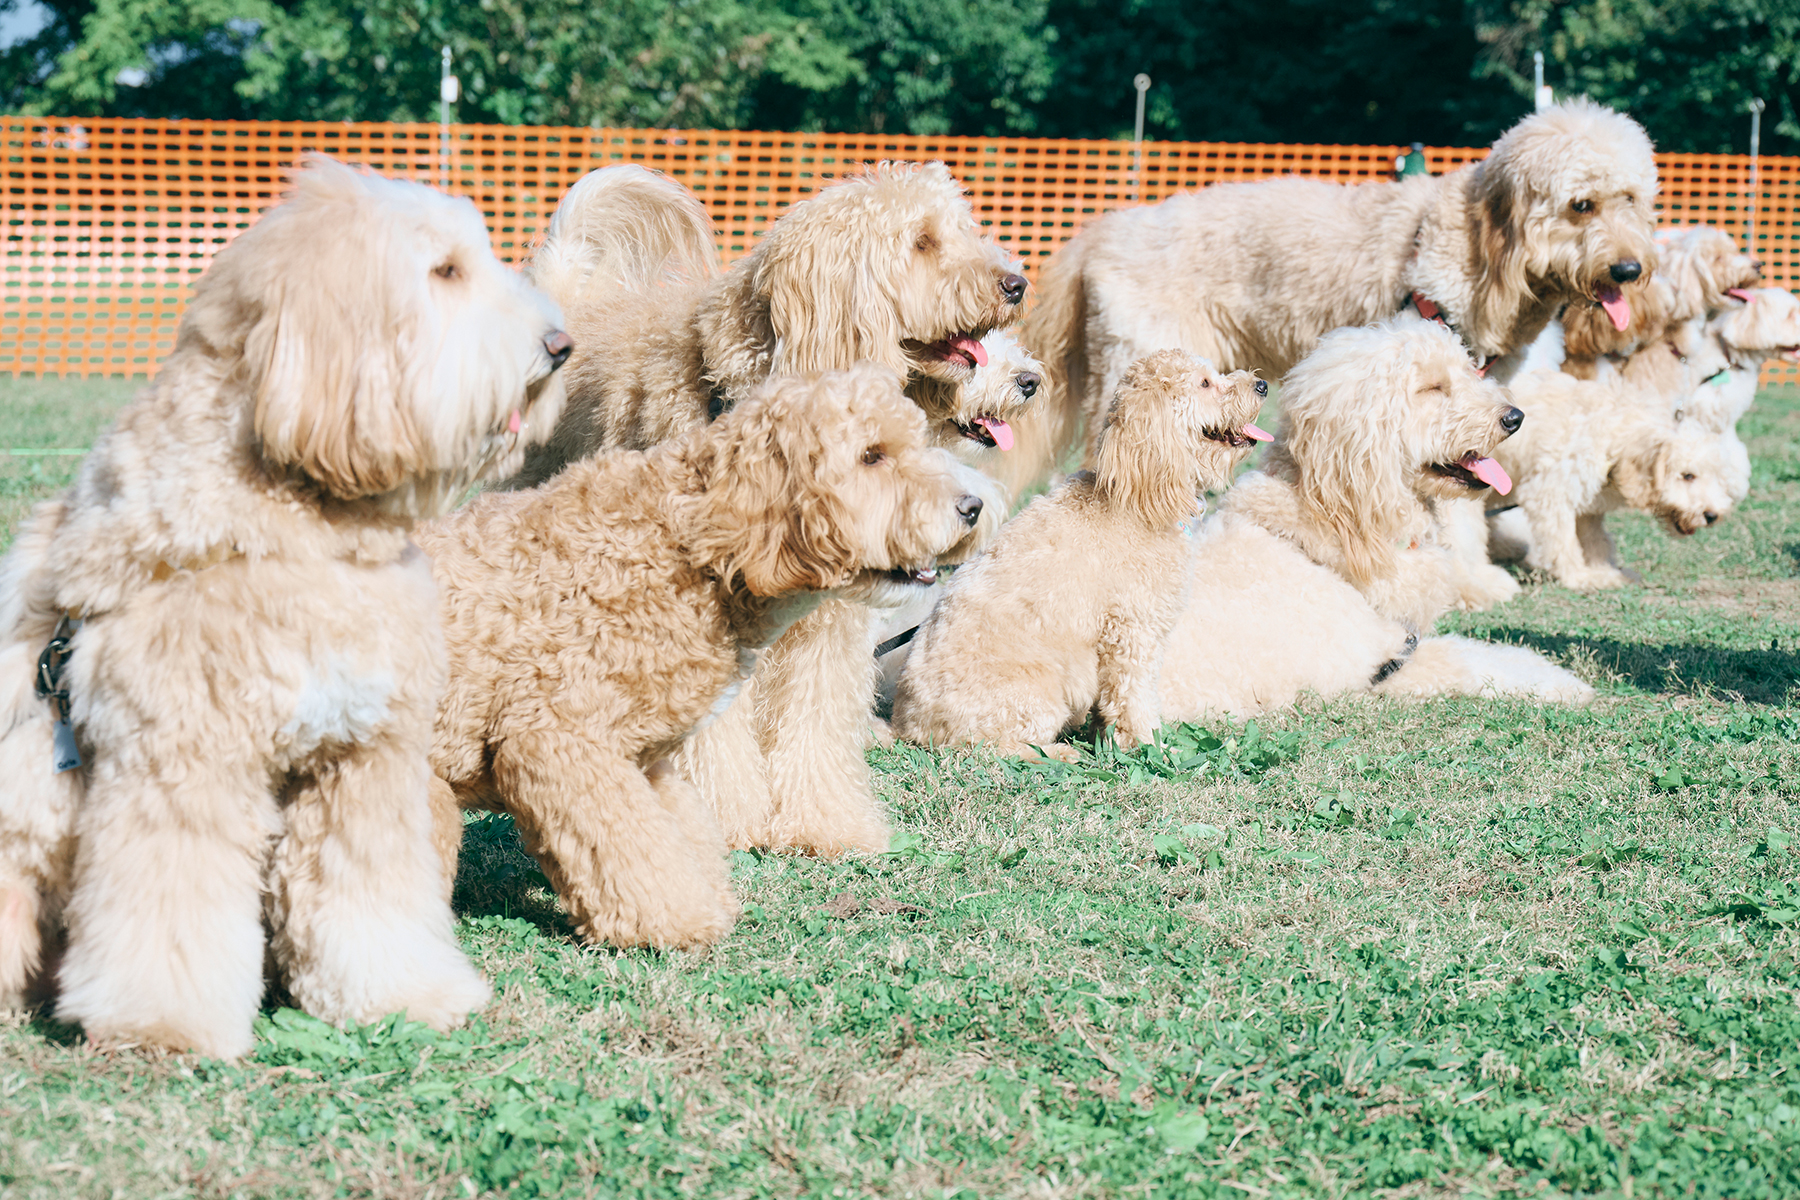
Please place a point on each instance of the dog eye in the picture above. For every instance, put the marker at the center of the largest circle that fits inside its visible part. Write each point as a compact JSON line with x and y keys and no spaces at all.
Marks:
{"x":1687,"y":477}
{"x":1206,"y":383}
{"x":447,"y":270}
{"x":874,"y":456}
{"x":1582,"y":206}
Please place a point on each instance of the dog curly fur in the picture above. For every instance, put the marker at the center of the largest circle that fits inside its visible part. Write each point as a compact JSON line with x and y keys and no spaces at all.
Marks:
{"x":1068,"y":611}
{"x":254,"y":681}
{"x":887,"y":266}
{"x":1750,"y":327}
{"x":1334,"y":549}
{"x":1252,"y":275}
{"x":594,"y":622}
{"x":1374,"y":424}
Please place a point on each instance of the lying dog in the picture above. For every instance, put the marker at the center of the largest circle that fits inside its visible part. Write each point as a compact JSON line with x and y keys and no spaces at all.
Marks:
{"x":595,"y":622}
{"x":1070,"y":608}
{"x":257,"y":654}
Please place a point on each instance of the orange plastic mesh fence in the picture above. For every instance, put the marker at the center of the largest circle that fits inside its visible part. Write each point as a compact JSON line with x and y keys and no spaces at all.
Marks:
{"x":110,"y":221}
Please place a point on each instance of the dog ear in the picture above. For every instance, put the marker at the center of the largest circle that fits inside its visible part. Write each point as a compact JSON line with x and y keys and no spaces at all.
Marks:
{"x":822,"y":278}
{"x":1341,"y":425}
{"x":765,"y":512}
{"x":1500,"y":198}
{"x":324,"y":355}
{"x":1640,"y":472}
{"x":1145,"y":463}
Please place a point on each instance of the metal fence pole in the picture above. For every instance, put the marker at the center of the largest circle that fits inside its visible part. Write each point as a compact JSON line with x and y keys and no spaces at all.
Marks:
{"x":1756,"y":111}
{"x":1142,"y":84}
{"x":447,"y":92}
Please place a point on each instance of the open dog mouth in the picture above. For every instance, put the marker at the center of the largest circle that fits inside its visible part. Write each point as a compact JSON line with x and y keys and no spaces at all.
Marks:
{"x":1618,"y":308}
{"x":1476,"y":471}
{"x":1238,"y":437}
{"x":988,"y":431}
{"x":1744,"y":294}
{"x":960,"y":350}
{"x":923,"y":576}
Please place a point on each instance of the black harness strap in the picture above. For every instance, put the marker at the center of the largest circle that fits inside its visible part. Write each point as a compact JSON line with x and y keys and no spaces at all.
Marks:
{"x":895,"y":642}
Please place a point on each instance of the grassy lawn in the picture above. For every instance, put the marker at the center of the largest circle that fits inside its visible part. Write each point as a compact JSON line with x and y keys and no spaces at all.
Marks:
{"x":1441,"y":949}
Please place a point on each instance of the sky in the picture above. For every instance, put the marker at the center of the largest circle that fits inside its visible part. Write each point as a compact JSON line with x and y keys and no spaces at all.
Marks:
{"x":21,"y":20}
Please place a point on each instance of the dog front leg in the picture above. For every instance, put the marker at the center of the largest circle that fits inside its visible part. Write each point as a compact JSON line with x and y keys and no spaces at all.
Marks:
{"x":725,"y":763}
{"x":358,"y":905}
{"x":1131,"y":652}
{"x":637,"y":857}
{"x":1556,"y":546}
{"x":165,"y":922}
{"x":815,"y":687}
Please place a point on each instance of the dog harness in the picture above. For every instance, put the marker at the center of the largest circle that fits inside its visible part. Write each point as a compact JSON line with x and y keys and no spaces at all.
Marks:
{"x":1429,"y":309}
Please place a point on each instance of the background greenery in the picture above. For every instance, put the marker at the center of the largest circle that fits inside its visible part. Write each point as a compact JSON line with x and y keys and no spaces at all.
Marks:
{"x":1440,"y":71}
{"x":1447,"y":949}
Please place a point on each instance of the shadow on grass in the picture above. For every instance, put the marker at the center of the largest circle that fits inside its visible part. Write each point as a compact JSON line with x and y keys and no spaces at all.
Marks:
{"x":1758,"y":676}
{"x":496,"y":878}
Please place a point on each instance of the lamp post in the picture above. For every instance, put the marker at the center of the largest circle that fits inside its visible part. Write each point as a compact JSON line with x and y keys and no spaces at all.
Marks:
{"x":1142,"y":84}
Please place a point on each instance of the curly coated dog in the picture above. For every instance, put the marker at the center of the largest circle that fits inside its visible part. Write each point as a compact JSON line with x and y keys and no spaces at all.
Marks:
{"x":1069,"y":610}
{"x":596,"y":621}
{"x":257,"y":656}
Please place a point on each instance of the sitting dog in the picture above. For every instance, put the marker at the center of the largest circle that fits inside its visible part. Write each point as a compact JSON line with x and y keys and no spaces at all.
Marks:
{"x":256,"y":655}
{"x":1334,"y":547}
{"x":1070,"y":608}
{"x":596,"y":621}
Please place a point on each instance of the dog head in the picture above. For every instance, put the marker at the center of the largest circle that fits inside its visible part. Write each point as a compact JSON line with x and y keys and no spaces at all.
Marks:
{"x":1757,"y":324}
{"x":1378,"y":419}
{"x":1176,"y":427}
{"x":1681,"y":473}
{"x":1704,"y":268}
{"x":816,"y":483}
{"x":389,"y":357}
{"x":974,"y":419}
{"x":885,"y":266}
{"x":1566,"y":209}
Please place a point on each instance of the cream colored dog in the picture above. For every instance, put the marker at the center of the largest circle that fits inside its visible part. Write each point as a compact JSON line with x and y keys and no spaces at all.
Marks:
{"x":596,"y":621}
{"x":1252,"y":275}
{"x":887,"y":266}
{"x":1070,"y":608}
{"x":1751,"y":327}
{"x":258,"y":656}
{"x":1699,"y":270}
{"x":1329,"y":565}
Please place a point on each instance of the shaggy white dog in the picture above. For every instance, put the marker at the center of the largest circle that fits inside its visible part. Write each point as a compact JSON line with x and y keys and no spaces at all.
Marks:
{"x":1251,"y":275}
{"x":257,"y":657}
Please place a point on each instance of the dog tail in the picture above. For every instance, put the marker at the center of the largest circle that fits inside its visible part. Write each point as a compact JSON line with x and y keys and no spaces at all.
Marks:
{"x":623,"y":227}
{"x":1054,"y":332}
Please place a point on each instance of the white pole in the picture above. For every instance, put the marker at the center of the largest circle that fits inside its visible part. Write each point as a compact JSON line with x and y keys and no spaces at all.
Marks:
{"x":447,"y":92}
{"x":1756,"y":111}
{"x":1542,"y":97}
{"x":1142,"y":84}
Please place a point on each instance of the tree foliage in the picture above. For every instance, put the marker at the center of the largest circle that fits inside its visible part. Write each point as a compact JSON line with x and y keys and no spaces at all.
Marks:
{"x":1372,"y":71}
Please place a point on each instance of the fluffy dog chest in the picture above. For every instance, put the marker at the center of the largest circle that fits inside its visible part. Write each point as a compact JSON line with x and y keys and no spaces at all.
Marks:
{"x":335,"y":705}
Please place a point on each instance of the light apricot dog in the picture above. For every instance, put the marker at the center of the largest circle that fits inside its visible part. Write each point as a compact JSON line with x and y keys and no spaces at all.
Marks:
{"x":594,"y":622}
{"x":1070,"y":608}
{"x":1328,"y":566}
{"x":1698,"y":271}
{"x":1752,"y":326}
{"x":258,"y":655}
{"x":887,"y":266}
{"x":1252,"y":275}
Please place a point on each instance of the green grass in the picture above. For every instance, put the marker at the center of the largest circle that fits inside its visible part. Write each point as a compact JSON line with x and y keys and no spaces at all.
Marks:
{"x":1371,"y":948}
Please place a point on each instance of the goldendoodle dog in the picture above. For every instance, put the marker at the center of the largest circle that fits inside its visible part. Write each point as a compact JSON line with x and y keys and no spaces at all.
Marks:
{"x":246,"y":644}
{"x":1068,"y":611}
{"x":1753,"y":326}
{"x":1251,"y":275}
{"x":595,"y":621}
{"x":1333,"y":547}
{"x":1380,"y":423}
{"x":1698,"y":270}
{"x":1593,"y":446}
{"x":887,"y":266}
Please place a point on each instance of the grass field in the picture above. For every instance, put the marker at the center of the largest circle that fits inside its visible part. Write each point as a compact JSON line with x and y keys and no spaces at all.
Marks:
{"x":1370,"y":949}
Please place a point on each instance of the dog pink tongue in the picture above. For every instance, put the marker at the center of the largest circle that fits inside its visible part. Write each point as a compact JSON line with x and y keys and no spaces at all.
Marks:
{"x":513,"y":423}
{"x":997,"y":429}
{"x":1489,"y":472}
{"x":965,"y":344}
{"x":1257,"y":435}
{"x":1744,"y":294}
{"x":1617,"y":307}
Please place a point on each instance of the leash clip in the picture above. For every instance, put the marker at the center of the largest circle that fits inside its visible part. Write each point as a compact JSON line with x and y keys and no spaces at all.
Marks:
{"x":50,"y":687}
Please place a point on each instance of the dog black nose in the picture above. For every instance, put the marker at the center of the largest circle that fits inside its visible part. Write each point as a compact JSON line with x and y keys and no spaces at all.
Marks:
{"x":969,"y":509}
{"x":1262,"y":387}
{"x":1511,"y":419}
{"x":558,"y":345}
{"x":1711,"y":517}
{"x":1028,"y":383}
{"x":1756,"y":266}
{"x":1625,"y":272}
{"x":1013,"y":288}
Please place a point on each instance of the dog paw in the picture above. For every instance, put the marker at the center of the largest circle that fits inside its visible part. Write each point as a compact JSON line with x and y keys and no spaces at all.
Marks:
{"x":1059,"y":751}
{"x":1593,"y":579}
